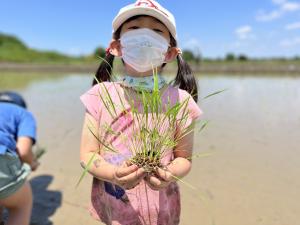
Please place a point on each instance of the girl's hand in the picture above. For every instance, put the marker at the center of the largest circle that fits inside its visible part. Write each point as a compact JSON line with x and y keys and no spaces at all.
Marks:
{"x":178,"y":168}
{"x":128,"y":176}
{"x":161,"y":179}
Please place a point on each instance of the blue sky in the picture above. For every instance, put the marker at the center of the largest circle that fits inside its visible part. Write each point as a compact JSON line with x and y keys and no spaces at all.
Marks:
{"x":258,"y":28}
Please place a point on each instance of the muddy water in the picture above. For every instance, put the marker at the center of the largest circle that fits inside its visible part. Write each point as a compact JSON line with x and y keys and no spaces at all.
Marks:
{"x":252,"y":177}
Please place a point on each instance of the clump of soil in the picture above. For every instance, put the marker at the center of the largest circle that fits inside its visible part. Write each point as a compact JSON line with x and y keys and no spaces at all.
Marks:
{"x":149,"y":161}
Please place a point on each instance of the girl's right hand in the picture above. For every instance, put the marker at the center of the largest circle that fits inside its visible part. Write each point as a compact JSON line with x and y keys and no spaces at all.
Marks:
{"x":128,"y":176}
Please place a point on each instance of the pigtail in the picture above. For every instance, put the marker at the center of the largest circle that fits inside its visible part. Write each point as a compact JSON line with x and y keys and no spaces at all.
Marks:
{"x":185,"y":79}
{"x":105,"y":69}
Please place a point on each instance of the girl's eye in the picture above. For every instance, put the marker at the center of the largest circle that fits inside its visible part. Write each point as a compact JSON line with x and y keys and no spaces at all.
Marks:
{"x":133,"y":28}
{"x":158,"y":30}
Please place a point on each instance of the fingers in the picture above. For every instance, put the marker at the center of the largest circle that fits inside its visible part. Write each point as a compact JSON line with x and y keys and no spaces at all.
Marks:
{"x":164,"y":174}
{"x":124,"y":171}
{"x":161,"y":179}
{"x":129,"y":176}
{"x":133,"y":179}
{"x":156,"y":183}
{"x":127,"y":163}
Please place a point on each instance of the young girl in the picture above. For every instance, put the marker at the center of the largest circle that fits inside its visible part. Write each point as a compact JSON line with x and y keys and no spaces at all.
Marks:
{"x":144,"y":36}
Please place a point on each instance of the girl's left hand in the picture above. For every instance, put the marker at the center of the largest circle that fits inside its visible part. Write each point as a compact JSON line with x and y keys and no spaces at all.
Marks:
{"x":161,"y":179}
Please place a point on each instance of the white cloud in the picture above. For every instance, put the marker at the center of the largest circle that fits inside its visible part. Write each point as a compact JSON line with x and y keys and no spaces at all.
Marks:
{"x":263,"y":16}
{"x":245,"y":39}
{"x":293,"y":26}
{"x":290,"y":6}
{"x":283,"y":7}
{"x":288,"y":43}
{"x":278,"y":2}
{"x":244,"y":32}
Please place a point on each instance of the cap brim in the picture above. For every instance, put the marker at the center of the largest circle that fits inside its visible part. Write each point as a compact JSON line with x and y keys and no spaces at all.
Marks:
{"x":123,"y":16}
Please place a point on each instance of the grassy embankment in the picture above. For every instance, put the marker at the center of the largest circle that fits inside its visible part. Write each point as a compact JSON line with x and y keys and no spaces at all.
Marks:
{"x":13,"y":50}
{"x":16,"y":56}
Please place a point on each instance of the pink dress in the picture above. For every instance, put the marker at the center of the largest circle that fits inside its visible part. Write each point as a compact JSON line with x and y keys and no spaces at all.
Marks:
{"x":144,"y":206}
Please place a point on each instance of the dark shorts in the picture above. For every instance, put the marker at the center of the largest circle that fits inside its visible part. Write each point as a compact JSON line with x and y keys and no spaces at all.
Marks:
{"x":13,"y":174}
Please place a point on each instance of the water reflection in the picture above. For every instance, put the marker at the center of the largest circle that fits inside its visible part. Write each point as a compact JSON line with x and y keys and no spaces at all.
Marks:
{"x":19,"y":81}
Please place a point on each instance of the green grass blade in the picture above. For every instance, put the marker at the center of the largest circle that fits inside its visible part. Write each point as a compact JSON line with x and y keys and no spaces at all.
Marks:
{"x":86,"y":169}
{"x":215,"y":93}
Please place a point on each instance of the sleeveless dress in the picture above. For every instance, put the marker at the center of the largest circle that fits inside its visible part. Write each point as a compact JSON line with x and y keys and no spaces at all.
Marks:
{"x":140,"y":205}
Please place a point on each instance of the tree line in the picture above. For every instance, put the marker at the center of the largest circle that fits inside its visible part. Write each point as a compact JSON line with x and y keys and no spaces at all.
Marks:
{"x":190,"y":56}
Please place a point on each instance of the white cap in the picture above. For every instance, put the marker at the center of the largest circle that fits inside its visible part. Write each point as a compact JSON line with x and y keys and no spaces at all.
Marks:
{"x":149,"y":8}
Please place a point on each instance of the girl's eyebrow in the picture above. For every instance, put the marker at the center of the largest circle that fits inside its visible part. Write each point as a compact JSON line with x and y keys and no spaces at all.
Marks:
{"x":140,"y":17}
{"x":157,"y":20}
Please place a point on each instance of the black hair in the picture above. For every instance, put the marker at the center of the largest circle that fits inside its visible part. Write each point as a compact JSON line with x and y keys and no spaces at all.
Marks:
{"x":184,"y":79}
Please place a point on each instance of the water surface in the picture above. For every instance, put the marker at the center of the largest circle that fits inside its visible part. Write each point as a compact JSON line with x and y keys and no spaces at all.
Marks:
{"x":254,"y":132}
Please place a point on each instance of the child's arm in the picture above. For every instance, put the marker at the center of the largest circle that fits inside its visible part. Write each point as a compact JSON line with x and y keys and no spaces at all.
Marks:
{"x":178,"y":168}
{"x":124,"y":176}
{"x":26,"y":137}
{"x":24,"y":149}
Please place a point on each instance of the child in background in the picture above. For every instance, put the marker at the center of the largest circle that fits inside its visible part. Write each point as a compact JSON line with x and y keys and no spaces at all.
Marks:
{"x":17,"y":136}
{"x":144,"y":36}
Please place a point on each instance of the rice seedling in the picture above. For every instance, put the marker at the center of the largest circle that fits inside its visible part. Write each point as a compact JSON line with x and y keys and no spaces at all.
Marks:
{"x":157,"y":126}
{"x":154,"y":124}
{"x":38,"y":152}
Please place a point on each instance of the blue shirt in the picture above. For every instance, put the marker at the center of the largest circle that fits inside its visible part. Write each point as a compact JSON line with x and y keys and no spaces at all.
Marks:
{"x":15,"y":122}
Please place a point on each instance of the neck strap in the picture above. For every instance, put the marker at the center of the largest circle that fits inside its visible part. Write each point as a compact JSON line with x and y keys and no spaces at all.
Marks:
{"x":143,"y":83}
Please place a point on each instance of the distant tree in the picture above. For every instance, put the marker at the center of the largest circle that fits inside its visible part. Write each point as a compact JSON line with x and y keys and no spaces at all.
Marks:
{"x":280,"y":59}
{"x":100,"y":52}
{"x":198,"y":59}
{"x":198,"y":56}
{"x":242,"y":58}
{"x":230,"y":57}
{"x":188,"y":55}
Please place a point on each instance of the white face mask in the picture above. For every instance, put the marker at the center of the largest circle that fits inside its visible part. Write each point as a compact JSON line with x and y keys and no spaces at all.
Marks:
{"x":143,"y":49}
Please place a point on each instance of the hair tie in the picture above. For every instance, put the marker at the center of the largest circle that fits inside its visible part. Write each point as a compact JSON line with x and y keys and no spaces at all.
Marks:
{"x":107,"y":52}
{"x":179,"y":51}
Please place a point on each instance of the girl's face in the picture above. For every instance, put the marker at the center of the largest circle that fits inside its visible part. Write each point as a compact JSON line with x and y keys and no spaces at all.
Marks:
{"x":147,"y":22}
{"x":138,"y":23}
